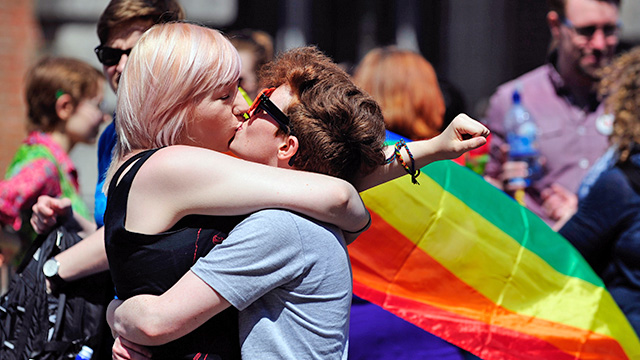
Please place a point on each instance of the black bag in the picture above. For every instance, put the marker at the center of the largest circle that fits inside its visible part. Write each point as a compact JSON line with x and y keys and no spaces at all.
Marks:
{"x":37,"y":325}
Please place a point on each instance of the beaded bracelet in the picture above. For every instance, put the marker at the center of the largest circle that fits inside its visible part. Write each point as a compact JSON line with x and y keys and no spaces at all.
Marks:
{"x":411,"y":170}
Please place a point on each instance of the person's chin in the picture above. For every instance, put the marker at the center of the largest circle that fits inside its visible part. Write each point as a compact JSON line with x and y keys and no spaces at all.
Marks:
{"x":590,"y":69}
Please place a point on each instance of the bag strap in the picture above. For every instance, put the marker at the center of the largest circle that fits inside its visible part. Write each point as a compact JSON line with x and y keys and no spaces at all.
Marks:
{"x":28,"y":256}
{"x":28,"y":316}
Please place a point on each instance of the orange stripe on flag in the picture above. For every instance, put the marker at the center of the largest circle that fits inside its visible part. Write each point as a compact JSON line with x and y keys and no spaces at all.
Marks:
{"x":391,"y":271}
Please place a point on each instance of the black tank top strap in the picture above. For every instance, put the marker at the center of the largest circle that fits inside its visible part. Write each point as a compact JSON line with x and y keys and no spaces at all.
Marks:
{"x":118,"y":195}
{"x":123,"y":167}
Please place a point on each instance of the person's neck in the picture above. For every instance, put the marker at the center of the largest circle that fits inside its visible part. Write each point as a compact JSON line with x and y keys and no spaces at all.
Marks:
{"x":582,"y":88}
{"x":63,"y":140}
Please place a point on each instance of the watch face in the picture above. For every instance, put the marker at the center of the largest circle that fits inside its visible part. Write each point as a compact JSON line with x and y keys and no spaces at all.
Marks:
{"x":50,"y":267}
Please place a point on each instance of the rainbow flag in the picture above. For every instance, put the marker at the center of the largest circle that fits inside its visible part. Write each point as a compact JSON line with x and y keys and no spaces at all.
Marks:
{"x":463,"y":261}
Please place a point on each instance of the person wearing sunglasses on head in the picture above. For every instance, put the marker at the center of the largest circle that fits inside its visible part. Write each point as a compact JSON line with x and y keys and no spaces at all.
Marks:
{"x":561,"y":98}
{"x":288,"y":274}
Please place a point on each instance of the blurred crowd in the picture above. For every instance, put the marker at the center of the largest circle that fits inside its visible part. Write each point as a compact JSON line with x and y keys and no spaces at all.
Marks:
{"x":584,"y":101}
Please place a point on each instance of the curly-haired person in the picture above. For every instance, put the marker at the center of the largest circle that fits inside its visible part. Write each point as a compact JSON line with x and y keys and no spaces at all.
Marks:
{"x":606,"y":227}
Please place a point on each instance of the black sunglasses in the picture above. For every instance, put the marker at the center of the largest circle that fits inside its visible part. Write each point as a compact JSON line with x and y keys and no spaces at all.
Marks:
{"x":588,"y":31}
{"x":263,"y":102}
{"x":110,"y":56}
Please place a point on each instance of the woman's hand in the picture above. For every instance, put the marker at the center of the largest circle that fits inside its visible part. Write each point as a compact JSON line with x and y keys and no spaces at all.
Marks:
{"x":124,"y":349}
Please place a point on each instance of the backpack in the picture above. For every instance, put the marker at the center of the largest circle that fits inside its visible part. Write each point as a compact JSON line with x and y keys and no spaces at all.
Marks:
{"x":38,"y":325}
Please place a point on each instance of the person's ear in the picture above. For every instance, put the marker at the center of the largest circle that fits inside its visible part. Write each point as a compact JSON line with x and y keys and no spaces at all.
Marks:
{"x":288,"y":149}
{"x":554,"y":22}
{"x":64,"y":107}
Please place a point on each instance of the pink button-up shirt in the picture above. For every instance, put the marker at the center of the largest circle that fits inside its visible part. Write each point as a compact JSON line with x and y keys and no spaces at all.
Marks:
{"x":570,"y":138}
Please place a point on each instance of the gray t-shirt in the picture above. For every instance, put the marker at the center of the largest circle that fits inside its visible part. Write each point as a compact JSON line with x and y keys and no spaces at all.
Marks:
{"x":290,"y":277}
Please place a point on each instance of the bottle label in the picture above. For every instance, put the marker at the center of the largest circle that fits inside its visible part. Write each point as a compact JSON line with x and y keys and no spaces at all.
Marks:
{"x":521,"y":146}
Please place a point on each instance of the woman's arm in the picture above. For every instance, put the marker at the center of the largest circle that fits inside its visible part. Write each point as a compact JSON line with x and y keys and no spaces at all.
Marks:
{"x":85,"y":258}
{"x":462,"y":135}
{"x":182,"y":180}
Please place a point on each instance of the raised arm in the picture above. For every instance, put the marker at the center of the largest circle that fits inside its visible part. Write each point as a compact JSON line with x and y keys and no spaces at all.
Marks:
{"x":183,"y":180}
{"x":462,"y":135}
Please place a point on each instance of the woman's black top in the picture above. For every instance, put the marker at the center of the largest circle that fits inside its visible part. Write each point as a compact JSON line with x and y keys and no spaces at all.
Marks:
{"x":151,"y":264}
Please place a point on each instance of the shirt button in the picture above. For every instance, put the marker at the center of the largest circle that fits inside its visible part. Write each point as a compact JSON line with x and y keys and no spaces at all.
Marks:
{"x":581,"y":130}
{"x":583,"y":163}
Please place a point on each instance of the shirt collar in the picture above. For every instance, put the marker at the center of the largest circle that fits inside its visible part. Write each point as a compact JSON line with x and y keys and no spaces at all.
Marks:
{"x":560,"y":86}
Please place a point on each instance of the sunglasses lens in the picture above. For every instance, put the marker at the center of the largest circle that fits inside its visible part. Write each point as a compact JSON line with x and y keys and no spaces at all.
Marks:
{"x":109,"y":56}
{"x":609,"y":30}
{"x":586,"y":31}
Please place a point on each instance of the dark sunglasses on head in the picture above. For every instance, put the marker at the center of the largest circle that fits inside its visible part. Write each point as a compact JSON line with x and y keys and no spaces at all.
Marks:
{"x":263,"y":102}
{"x":588,"y":31}
{"x":110,"y":56}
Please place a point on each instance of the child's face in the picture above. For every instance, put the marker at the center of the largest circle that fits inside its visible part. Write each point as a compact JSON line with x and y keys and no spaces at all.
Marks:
{"x":84,"y":124}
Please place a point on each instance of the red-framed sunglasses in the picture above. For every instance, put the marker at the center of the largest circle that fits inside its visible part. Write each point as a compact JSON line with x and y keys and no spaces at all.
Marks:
{"x":263,"y":102}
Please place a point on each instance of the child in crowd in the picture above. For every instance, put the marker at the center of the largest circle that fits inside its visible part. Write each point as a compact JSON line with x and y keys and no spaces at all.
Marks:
{"x":63,"y":97}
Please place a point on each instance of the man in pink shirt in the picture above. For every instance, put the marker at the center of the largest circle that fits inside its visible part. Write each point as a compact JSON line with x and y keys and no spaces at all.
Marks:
{"x":560,"y":96}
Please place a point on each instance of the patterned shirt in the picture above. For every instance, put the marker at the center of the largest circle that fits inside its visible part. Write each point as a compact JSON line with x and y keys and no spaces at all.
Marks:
{"x":570,"y":139}
{"x":30,"y":176}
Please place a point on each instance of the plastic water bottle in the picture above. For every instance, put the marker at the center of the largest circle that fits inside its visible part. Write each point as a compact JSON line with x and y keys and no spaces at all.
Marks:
{"x":522,"y":136}
{"x":85,"y":353}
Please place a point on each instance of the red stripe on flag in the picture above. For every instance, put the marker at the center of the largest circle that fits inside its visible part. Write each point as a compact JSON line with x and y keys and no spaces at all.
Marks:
{"x":467,"y":333}
{"x":391,"y":271}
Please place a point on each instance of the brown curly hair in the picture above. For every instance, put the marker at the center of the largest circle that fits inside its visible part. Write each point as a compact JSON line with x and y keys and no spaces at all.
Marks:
{"x":339,"y":127}
{"x":621,"y":85}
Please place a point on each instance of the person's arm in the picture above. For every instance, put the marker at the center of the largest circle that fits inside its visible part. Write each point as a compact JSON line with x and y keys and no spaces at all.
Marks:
{"x":597,"y":222}
{"x":238,"y":271}
{"x":124,"y":349}
{"x":156,"y":320}
{"x":182,"y":180}
{"x":462,"y":135}
{"x":85,"y":258}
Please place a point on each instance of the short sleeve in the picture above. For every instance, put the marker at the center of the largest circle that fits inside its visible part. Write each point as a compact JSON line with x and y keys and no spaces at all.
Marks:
{"x":263,"y":252}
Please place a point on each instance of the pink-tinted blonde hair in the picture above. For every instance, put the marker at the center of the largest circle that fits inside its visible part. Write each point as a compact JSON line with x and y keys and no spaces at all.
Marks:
{"x":172,"y":68}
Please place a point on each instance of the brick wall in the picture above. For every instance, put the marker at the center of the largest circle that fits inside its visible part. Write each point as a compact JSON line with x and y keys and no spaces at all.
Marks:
{"x":20,"y":38}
